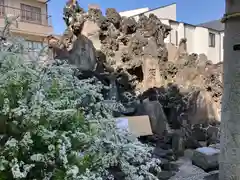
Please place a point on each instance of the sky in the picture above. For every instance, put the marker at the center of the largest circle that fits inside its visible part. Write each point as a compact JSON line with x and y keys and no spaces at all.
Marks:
{"x":189,"y":11}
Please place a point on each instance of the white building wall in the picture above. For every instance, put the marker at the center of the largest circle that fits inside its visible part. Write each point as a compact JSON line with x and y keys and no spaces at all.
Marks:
{"x":174,"y":33}
{"x":133,"y":12}
{"x":177,"y":33}
{"x":166,"y":21}
{"x":197,"y":39}
{"x":166,"y":12}
{"x":189,"y":34}
{"x":222,"y":40}
{"x":201,"y":40}
{"x":214,"y":53}
{"x":181,"y":32}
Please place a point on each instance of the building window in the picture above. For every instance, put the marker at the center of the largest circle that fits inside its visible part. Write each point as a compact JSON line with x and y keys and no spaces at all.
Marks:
{"x":211,"y":39}
{"x":33,"y":45}
{"x":31,"y":13}
{"x":170,"y":37}
{"x":2,"y":8}
{"x":176,"y":38}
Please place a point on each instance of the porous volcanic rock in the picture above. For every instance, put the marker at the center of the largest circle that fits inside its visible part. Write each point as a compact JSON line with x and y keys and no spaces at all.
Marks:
{"x":132,"y":57}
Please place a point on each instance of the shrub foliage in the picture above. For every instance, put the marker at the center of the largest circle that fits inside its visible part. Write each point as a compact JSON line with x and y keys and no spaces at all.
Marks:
{"x":54,"y":126}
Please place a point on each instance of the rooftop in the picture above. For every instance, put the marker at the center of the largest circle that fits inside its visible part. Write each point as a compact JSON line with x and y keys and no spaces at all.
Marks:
{"x":215,"y":25}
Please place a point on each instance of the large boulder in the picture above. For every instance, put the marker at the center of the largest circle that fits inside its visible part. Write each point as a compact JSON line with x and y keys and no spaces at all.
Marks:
{"x":156,"y":114}
{"x":83,"y":54}
{"x":202,"y":61}
{"x":202,"y":109}
{"x":189,"y":77}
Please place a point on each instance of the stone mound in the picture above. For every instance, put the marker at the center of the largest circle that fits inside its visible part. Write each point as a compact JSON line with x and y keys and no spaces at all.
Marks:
{"x":180,"y":92}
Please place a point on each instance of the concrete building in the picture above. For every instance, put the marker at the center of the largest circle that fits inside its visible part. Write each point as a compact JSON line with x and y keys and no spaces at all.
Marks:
{"x":34,"y":23}
{"x":200,"y":38}
{"x":204,"y":38}
{"x":134,"y":12}
{"x":165,"y":12}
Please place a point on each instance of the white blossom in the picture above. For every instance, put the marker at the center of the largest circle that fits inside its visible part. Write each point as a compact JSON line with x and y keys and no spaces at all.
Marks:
{"x":60,"y":121}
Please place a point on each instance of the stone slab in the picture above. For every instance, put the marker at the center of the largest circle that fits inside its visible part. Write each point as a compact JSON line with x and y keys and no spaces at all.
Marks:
{"x":206,"y":158}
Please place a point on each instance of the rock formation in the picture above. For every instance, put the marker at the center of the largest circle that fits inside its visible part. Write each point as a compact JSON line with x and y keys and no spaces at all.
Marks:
{"x":132,"y":58}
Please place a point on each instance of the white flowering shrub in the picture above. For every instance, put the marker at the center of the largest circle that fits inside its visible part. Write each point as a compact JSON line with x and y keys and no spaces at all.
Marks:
{"x":54,"y":126}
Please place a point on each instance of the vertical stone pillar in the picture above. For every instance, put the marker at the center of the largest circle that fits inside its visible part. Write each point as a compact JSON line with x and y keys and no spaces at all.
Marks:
{"x":151,"y":73}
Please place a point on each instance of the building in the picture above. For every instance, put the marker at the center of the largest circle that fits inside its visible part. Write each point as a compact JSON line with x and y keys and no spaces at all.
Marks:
{"x":134,"y":12}
{"x":34,"y":23}
{"x":216,"y":36}
{"x":204,"y":38}
{"x":164,"y":12}
{"x":200,"y":38}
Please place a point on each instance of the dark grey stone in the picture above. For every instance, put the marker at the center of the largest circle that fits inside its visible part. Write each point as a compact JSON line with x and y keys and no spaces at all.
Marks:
{"x":162,"y":152}
{"x":199,"y":133}
{"x":178,"y":144}
{"x":168,"y":166}
{"x":164,"y":175}
{"x":192,"y":143}
{"x":212,"y":176}
{"x":212,"y":135}
{"x":156,"y":114}
{"x":206,"y":158}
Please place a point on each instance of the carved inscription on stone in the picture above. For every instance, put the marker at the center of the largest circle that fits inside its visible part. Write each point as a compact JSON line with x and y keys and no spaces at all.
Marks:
{"x":151,"y":74}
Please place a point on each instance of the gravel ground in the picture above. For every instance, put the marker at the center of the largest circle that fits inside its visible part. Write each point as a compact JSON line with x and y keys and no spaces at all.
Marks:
{"x":187,"y":171}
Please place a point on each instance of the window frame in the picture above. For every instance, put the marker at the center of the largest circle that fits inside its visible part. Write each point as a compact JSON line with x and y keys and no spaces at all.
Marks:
{"x":31,"y":13}
{"x":2,"y":7}
{"x":212,"y":39}
{"x":34,"y":45}
{"x":176,"y":34}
